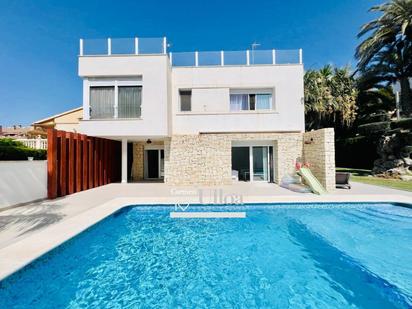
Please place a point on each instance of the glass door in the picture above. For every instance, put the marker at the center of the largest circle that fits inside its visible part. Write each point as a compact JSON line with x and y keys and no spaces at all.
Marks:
{"x":260,"y":163}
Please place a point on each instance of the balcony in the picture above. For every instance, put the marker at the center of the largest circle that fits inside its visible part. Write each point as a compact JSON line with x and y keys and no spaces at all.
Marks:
{"x":158,"y":46}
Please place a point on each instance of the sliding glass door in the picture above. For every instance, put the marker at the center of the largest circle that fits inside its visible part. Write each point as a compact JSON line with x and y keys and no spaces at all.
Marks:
{"x":260,"y":163}
{"x":253,"y":163}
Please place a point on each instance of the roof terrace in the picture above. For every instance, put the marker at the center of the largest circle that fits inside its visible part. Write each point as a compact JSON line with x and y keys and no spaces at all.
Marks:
{"x":158,"y":46}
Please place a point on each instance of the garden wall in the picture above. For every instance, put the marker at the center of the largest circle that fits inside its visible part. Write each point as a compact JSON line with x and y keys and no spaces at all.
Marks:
{"x":22,"y":182}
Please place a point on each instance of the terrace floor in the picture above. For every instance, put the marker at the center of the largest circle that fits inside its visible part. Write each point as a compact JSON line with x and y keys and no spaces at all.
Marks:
{"x":20,"y":222}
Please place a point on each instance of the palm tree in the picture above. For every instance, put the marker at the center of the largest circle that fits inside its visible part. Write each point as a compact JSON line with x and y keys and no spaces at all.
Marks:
{"x":330,"y":98}
{"x":387,"y":50}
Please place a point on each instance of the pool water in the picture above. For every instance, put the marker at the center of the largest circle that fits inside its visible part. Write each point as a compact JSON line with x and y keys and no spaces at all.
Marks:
{"x":316,"y":256}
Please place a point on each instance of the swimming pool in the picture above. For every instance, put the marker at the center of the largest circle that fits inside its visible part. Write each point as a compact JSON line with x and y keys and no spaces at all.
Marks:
{"x":280,"y":255}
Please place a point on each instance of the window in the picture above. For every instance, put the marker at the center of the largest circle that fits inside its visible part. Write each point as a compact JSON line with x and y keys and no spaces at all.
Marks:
{"x":129,"y":101}
{"x":185,"y":100}
{"x":250,"y":101}
{"x":101,"y":102}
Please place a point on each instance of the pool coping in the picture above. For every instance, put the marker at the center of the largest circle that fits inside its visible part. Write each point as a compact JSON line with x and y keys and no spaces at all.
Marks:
{"x":22,"y":252}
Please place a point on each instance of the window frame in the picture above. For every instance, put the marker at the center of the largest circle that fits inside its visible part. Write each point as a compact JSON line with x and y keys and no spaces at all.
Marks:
{"x":255,"y":93}
{"x":116,"y":83}
{"x":180,"y":99}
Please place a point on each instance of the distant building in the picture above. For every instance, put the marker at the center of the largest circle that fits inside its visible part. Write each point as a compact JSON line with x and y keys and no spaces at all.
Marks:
{"x":15,"y":131}
{"x":67,"y":121}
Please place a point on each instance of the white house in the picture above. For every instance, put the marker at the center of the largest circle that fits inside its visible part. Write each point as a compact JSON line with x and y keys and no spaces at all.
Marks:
{"x":200,"y":117}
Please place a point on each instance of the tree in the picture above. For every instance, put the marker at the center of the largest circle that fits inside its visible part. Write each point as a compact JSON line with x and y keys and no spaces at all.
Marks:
{"x":330,"y":98}
{"x":387,"y":49}
{"x":374,"y":97}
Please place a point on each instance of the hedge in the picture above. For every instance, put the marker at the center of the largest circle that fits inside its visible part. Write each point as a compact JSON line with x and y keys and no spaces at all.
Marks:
{"x":13,"y":150}
{"x":374,"y":128}
{"x":356,"y":152}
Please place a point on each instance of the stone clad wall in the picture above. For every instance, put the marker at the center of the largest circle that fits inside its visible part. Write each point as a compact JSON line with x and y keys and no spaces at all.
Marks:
{"x":205,"y":159}
{"x":319,"y":152}
{"x":138,"y":159}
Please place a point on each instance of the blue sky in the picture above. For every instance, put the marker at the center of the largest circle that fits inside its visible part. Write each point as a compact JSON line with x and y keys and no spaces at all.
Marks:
{"x":39,"y":39}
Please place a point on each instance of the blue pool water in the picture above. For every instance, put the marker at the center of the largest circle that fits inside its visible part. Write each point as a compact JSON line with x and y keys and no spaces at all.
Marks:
{"x":321,"y":256}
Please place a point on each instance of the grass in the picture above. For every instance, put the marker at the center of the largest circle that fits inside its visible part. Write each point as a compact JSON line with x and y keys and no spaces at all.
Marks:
{"x":365,"y":176}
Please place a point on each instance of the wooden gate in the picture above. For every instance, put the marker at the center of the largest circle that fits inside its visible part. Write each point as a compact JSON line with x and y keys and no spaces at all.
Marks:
{"x":77,"y":162}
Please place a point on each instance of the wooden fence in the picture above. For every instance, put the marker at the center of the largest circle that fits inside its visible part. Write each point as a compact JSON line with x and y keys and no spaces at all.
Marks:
{"x":77,"y":162}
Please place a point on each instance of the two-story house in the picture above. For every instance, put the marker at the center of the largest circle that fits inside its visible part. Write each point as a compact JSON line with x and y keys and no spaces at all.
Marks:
{"x":196,"y":118}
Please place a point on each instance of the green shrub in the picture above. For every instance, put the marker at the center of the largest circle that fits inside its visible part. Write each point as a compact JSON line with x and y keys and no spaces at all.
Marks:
{"x":13,"y":152}
{"x":374,"y":128}
{"x":402,"y":123}
{"x":10,"y":142}
{"x":356,"y":152}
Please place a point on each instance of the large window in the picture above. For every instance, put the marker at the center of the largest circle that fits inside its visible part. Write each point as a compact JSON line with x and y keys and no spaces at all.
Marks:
{"x":129,"y":101}
{"x":103,"y":103}
{"x":250,"y":101}
{"x":185,"y":100}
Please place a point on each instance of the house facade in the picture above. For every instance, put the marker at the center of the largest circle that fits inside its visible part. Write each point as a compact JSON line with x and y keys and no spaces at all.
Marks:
{"x":67,"y":121}
{"x":200,"y":118}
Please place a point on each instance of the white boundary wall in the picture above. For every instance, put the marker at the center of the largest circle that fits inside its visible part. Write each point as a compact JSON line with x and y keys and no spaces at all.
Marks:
{"x":22,"y":182}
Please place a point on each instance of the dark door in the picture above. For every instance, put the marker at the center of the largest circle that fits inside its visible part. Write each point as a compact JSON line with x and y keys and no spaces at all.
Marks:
{"x":153,"y":163}
{"x":129,"y":160}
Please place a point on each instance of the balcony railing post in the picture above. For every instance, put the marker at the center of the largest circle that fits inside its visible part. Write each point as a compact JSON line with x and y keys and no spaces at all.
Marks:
{"x":273,"y":56}
{"x":300,"y":56}
{"x":109,"y":46}
{"x":247,"y":57}
{"x":136,"y":46}
{"x":171,"y":58}
{"x":81,"y":47}
{"x":196,"y":58}
{"x":164,"y":45}
{"x":222,"y":58}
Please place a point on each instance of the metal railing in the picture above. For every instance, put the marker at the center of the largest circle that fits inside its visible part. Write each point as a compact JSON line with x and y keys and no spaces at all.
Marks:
{"x":145,"y":46}
{"x":227,"y":58}
{"x":123,"y":46}
{"x":35,"y":143}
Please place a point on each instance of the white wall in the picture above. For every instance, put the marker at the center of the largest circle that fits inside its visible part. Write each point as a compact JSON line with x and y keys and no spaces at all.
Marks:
{"x":22,"y":181}
{"x":210,"y":86}
{"x":211,"y":103}
{"x":153,"y":71}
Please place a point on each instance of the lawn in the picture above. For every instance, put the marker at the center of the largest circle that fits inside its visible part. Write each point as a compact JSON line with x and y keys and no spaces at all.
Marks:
{"x":364,"y":176}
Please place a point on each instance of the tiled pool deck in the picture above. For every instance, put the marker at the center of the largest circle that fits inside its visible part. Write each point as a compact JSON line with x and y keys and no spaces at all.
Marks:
{"x":31,"y":230}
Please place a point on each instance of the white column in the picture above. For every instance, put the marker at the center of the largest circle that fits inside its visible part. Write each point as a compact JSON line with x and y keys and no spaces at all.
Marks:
{"x":109,"y":46}
{"x":300,"y":56}
{"x":136,"y":46}
{"x":222,"y":58}
{"x":124,"y":160}
{"x":81,"y":47}
{"x":86,"y":99}
{"x":164,"y":45}
{"x":273,"y":56}
{"x":196,"y":58}
{"x":171,"y":58}
{"x":247,"y":57}
{"x":38,"y":140}
{"x":251,"y":164}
